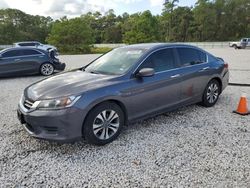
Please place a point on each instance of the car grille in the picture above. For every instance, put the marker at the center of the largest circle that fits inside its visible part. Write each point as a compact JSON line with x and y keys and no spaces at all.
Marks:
{"x":28,"y":104}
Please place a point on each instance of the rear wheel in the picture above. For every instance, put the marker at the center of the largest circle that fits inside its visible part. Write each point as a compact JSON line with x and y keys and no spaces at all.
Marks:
{"x":211,"y":93}
{"x":103,"y":124}
{"x":47,"y":69}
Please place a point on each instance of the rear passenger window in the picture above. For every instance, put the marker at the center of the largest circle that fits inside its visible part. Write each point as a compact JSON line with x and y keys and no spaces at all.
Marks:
{"x":30,"y":52}
{"x":203,"y":56}
{"x":190,"y":56}
{"x":161,"y":60}
{"x":12,"y":53}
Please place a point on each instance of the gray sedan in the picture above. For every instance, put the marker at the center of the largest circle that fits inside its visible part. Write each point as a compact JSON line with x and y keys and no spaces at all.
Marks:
{"x":124,"y":85}
{"x":28,"y":60}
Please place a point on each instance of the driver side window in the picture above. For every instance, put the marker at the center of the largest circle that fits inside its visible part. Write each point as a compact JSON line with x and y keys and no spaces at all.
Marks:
{"x":161,"y":60}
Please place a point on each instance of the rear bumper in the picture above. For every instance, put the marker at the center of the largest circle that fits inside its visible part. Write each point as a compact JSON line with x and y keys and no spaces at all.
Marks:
{"x":60,"y":66}
{"x":54,"y":125}
{"x":225,"y":80}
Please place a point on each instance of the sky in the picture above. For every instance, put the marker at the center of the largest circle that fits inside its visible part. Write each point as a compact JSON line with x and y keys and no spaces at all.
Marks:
{"x":74,"y":8}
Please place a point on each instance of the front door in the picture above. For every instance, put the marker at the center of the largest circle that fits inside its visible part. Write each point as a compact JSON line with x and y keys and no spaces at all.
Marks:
{"x":9,"y":62}
{"x":152,"y":94}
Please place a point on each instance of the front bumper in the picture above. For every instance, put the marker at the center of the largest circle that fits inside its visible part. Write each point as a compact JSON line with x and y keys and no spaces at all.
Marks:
{"x":56,"y":125}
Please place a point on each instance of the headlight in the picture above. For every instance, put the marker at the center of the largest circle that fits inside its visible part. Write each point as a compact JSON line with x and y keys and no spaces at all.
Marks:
{"x":58,"y":103}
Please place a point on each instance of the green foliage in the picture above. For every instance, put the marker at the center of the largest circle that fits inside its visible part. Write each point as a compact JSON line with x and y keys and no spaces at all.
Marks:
{"x":16,"y":26}
{"x":72,"y":35}
{"x":100,"y":50}
{"x":208,"y":20}
{"x":141,"y":27}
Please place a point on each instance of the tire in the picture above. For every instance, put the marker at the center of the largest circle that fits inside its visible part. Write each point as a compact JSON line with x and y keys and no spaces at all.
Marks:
{"x":103,"y":124}
{"x":47,"y":69}
{"x":211,"y":93}
{"x":235,"y":47}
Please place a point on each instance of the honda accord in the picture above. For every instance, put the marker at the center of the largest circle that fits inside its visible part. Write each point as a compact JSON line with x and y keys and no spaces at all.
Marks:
{"x":124,"y":85}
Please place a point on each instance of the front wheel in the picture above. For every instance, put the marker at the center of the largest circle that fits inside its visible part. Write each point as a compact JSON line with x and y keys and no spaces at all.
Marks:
{"x":211,"y":93}
{"x":47,"y":69}
{"x":103,"y":124}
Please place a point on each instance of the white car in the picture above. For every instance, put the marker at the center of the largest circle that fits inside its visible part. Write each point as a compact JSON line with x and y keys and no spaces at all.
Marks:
{"x":37,"y":45}
{"x":242,"y":44}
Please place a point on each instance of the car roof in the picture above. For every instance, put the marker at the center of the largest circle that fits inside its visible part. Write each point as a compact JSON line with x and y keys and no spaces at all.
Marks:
{"x":154,"y":46}
{"x":23,"y":48}
{"x":26,"y":42}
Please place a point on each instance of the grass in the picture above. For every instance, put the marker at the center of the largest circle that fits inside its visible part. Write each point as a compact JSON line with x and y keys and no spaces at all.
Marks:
{"x":103,"y":50}
{"x":92,"y":50}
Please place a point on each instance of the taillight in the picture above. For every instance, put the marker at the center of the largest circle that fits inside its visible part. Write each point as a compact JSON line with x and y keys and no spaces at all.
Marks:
{"x":226,"y":65}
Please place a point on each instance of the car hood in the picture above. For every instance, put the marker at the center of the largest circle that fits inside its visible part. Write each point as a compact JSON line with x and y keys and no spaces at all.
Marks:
{"x":66,"y":84}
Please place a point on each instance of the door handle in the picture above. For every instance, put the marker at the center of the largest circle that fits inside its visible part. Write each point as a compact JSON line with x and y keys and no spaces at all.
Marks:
{"x":17,"y":59}
{"x":175,"y":76}
{"x":205,"y":68}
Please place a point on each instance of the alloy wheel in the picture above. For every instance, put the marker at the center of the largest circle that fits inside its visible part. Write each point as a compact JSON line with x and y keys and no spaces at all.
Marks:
{"x":47,"y":69}
{"x":212,"y":93}
{"x":106,"y":124}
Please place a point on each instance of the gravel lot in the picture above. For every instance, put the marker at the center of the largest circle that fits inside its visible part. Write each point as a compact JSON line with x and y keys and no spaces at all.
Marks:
{"x":191,"y":147}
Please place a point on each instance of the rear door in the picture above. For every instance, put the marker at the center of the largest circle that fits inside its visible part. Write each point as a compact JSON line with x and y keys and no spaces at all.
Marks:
{"x":30,"y":60}
{"x":194,"y":70}
{"x":150,"y":94}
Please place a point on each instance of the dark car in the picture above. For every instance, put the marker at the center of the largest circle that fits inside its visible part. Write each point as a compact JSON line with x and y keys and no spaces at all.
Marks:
{"x":124,"y":85}
{"x":25,"y":61}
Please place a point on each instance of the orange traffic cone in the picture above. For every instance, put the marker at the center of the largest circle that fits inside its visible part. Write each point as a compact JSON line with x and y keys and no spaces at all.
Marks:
{"x":242,"y":107}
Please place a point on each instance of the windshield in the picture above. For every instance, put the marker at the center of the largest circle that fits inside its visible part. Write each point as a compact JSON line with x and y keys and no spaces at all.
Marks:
{"x":118,"y":61}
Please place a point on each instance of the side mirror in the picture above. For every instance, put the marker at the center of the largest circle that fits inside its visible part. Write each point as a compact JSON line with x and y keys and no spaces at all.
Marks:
{"x":146,"y":72}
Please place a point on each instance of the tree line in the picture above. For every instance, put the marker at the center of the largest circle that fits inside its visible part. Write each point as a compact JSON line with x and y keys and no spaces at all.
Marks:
{"x":216,"y":20}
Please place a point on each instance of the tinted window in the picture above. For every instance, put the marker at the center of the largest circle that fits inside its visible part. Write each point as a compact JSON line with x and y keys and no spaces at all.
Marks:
{"x":30,"y":52}
{"x":189,"y":56}
{"x":160,"y":61}
{"x":12,"y":53}
{"x":211,"y":58}
{"x":203,"y":56}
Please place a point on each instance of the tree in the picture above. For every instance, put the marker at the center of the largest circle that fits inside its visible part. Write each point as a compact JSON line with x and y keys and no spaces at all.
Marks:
{"x":140,"y":28}
{"x":71,"y":35}
{"x":16,"y":26}
{"x":204,"y":18}
{"x":167,"y":19}
{"x":112,"y":32}
{"x":182,"y":18}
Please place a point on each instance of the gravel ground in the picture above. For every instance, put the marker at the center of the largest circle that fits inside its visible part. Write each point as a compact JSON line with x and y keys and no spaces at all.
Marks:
{"x":191,"y":147}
